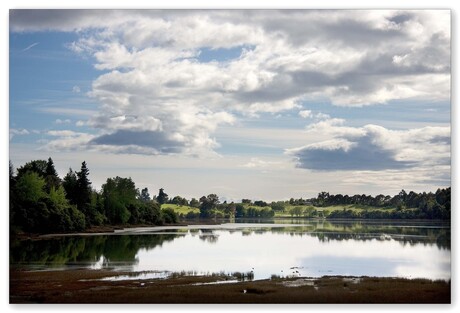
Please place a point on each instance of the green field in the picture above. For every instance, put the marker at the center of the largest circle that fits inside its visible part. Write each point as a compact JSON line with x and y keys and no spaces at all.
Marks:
{"x":328,"y":209}
{"x":180,"y":209}
{"x":184,"y":209}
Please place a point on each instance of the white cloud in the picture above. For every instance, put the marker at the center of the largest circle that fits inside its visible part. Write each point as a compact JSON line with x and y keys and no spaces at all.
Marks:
{"x":305,"y":113}
{"x":16,"y":132}
{"x":59,"y":121}
{"x":257,"y":163}
{"x":67,"y":140}
{"x":30,"y":47}
{"x":156,"y":82}
{"x":76,"y":89}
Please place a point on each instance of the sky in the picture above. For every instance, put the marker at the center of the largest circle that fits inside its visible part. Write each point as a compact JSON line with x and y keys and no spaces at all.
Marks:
{"x":259,"y":104}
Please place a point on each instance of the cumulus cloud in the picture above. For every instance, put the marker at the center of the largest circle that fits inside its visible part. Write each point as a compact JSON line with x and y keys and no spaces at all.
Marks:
{"x":317,"y":116}
{"x":155,"y":83}
{"x":373,"y":147}
{"x":305,"y":113}
{"x":67,"y":140}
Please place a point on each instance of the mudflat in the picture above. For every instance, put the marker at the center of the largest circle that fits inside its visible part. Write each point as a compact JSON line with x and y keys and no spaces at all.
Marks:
{"x":92,"y":286}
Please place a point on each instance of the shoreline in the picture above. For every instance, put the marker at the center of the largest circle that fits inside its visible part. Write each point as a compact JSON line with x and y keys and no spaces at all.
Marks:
{"x":111,"y":229}
{"x":87,"y":286}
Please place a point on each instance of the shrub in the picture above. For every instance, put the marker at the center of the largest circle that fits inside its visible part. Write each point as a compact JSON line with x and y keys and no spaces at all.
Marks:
{"x":169,"y":216}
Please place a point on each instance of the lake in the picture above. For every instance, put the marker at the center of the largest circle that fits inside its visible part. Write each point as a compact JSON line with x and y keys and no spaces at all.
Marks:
{"x":259,"y":249}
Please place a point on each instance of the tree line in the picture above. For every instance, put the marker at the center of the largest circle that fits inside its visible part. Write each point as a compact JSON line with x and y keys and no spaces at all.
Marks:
{"x":42,"y":202}
{"x":423,"y":205}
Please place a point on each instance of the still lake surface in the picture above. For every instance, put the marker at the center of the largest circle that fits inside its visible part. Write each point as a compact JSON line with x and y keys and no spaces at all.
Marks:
{"x":285,"y":248}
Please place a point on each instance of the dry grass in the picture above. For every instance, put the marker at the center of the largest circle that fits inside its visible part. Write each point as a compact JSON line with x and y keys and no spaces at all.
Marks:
{"x":84,"y":286}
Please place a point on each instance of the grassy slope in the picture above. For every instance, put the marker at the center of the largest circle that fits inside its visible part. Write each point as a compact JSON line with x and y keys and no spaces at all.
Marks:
{"x":180,"y":209}
{"x":184,"y":209}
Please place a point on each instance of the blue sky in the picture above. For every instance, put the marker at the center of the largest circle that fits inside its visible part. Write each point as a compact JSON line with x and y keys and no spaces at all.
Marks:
{"x":263,"y":107}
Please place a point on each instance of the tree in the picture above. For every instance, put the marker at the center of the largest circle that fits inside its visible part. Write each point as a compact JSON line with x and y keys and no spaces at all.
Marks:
{"x":323,"y":198}
{"x":70,"y":185}
{"x":50,"y":170}
{"x":278,"y":206}
{"x":150,"y":213}
{"x":120,"y":199}
{"x":194,"y":203}
{"x":310,"y":211}
{"x":57,"y":196}
{"x":13,"y":197}
{"x":31,"y":187}
{"x":37,"y":166}
{"x":145,"y":196}
{"x":83,"y":189}
{"x":51,"y":176}
{"x":169,"y":216}
{"x":162,"y":196}
{"x":297,"y":211}
{"x":230,"y":210}
{"x":30,"y":211}
{"x":241,"y":211}
{"x":208,"y":204}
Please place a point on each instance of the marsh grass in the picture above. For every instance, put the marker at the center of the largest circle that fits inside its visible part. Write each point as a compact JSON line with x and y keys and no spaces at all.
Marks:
{"x":81,"y":286}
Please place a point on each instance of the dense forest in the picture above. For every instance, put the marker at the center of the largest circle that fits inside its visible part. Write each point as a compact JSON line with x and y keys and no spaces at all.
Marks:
{"x":42,"y":202}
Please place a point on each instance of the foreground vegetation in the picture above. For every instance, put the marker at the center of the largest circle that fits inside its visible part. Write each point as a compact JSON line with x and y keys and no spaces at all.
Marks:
{"x":86,"y":286}
{"x":42,"y":202}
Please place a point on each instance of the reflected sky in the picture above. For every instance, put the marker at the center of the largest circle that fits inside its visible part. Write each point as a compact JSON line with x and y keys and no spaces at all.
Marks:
{"x":284,"y":254}
{"x":309,"y":249}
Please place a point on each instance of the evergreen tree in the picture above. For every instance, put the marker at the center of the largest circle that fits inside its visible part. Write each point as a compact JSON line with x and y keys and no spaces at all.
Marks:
{"x":145,"y":196}
{"x":162,"y":196}
{"x":70,"y":185}
{"x":51,"y":176}
{"x":83,"y":189}
{"x":50,"y":170}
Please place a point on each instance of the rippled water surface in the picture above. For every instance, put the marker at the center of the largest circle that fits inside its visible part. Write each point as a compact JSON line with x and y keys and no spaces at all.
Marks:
{"x":298,"y":248}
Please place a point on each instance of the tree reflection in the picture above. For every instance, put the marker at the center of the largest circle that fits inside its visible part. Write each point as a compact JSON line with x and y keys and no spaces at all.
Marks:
{"x":208,"y":235}
{"x":68,"y":251}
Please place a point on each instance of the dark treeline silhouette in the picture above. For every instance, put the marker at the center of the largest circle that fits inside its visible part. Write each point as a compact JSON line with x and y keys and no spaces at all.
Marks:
{"x":42,"y":202}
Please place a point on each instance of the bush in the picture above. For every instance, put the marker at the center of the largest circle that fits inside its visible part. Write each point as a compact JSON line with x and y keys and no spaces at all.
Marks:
{"x":150,"y":213}
{"x":169,"y":216}
{"x":192,"y":215}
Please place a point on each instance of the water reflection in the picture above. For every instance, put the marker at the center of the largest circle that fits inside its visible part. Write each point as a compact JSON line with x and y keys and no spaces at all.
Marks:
{"x":96,"y":251}
{"x":265,"y":250}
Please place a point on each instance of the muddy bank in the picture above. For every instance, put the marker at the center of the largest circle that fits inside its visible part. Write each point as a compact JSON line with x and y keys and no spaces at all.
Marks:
{"x":87,"y":286}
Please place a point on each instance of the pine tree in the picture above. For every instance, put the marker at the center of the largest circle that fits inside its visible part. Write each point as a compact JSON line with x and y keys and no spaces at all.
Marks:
{"x":70,"y":185}
{"x":50,"y":170}
{"x":83,"y":189}
{"x":51,"y":176}
{"x":162,"y":196}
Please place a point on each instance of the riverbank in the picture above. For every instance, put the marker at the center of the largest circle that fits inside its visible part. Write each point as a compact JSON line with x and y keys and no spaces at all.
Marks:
{"x":88,"y":286}
{"x":103,"y":229}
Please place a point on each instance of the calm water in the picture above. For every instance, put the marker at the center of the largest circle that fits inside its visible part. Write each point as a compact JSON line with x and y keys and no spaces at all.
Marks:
{"x":282,"y":248}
